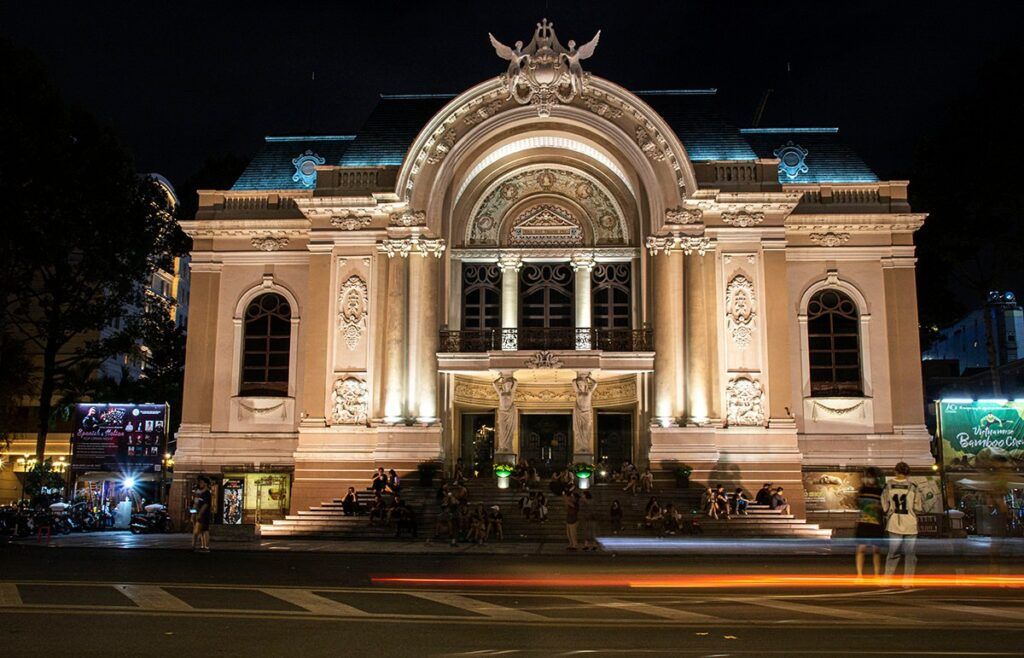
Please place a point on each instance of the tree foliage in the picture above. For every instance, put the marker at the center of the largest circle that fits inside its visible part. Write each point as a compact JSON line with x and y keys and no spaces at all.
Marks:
{"x":83,"y":231}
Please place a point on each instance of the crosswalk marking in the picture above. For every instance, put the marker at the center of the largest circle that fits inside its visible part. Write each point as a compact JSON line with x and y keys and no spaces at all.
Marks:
{"x":478,"y":606}
{"x":792,"y":606}
{"x":644,"y":608}
{"x":152,"y":597}
{"x":978,"y":610}
{"x":315,"y":603}
{"x":9,"y":594}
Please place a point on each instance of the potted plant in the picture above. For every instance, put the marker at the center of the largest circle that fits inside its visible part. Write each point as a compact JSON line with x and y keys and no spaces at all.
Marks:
{"x":427,"y":471}
{"x":683,"y":472}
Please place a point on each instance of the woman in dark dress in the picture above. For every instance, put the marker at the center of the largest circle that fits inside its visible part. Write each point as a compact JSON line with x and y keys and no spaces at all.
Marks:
{"x":870,"y":529}
{"x":204,"y":514}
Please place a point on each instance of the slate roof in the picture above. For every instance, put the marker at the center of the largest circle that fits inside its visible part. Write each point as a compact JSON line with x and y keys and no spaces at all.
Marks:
{"x":394,"y":123}
{"x":828,"y":158}
{"x":272,"y":168}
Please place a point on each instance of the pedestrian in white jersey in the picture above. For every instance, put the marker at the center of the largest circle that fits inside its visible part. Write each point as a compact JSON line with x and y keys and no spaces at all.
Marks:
{"x":901,"y":502}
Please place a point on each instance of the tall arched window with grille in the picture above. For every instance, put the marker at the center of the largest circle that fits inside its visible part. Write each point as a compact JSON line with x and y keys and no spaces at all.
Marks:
{"x":481,"y":296}
{"x":833,"y":335}
{"x":266,"y":346}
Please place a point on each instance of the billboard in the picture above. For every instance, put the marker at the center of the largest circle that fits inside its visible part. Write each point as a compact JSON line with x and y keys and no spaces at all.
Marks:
{"x":118,"y":437}
{"x":977,"y":433}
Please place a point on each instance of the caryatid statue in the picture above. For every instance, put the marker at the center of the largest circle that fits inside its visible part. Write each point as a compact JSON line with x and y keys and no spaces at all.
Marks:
{"x":505,"y":385}
{"x":583,"y":414}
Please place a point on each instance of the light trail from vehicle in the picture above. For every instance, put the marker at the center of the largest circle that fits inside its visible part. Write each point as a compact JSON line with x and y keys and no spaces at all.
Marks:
{"x":713,"y":581}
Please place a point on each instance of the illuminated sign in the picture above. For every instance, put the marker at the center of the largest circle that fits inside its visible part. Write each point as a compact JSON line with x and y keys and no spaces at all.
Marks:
{"x":981,"y":433}
{"x":127,"y":438}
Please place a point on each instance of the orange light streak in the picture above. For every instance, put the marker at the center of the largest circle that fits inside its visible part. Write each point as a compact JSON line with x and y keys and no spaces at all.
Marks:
{"x":713,"y":581}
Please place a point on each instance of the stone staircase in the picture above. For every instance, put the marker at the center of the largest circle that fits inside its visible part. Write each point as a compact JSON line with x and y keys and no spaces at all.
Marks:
{"x":328,"y":521}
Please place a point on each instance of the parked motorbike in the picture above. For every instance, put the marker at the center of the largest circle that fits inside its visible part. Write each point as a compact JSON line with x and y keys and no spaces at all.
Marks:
{"x":155,"y":519}
{"x":15,"y":521}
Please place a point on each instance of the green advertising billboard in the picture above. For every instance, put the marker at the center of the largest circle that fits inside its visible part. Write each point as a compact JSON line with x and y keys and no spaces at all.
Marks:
{"x":978,"y":433}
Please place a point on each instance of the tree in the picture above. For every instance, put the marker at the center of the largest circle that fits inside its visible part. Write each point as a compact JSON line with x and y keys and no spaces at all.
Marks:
{"x":966,"y":179}
{"x":84,"y":231}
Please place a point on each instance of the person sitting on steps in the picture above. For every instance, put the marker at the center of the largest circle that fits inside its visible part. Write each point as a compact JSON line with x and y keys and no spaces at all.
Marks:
{"x":647,"y":481}
{"x":779,"y":502}
{"x":739,"y":502}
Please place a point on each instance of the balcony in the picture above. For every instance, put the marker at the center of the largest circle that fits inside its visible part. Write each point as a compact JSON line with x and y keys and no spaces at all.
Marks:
{"x":578,"y":339}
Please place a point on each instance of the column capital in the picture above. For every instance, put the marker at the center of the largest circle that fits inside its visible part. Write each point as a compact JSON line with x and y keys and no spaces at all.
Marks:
{"x":582,"y":261}
{"x":510,"y":261}
{"x":414,"y":244}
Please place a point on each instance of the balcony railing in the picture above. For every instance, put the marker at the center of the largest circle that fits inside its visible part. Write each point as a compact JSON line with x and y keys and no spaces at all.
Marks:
{"x":609,"y":340}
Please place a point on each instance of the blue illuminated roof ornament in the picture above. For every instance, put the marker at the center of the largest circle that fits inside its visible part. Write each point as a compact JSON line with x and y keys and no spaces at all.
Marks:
{"x":791,"y":159}
{"x":305,"y":168}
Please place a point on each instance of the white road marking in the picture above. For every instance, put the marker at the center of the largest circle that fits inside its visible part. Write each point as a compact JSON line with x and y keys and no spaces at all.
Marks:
{"x":791,"y":606}
{"x":644,"y":608}
{"x":9,"y":594}
{"x":479,"y":607}
{"x":152,"y":597}
{"x":320,"y":605}
{"x":977,"y":610}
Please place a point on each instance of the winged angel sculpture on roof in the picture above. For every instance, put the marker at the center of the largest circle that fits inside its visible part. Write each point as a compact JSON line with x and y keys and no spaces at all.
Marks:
{"x":545,"y":72}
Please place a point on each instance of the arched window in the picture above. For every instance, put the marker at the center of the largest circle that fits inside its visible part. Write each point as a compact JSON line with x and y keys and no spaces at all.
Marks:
{"x":833,"y":336}
{"x":266,"y":346}
{"x":610,"y":295}
{"x":481,"y":296}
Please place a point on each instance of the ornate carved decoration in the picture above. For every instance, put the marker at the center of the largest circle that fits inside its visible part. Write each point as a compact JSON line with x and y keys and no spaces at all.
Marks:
{"x":413,"y":244}
{"x":791,"y":160}
{"x":548,"y":253}
{"x":683,"y":215}
{"x":687,"y":244}
{"x":648,"y":145}
{"x":269,"y":243}
{"x":740,"y":310}
{"x":544,"y":72}
{"x":544,"y":360}
{"x":351,"y":220}
{"x":350,"y":398}
{"x":545,"y":395}
{"x":602,"y":210}
{"x":742,"y":218}
{"x":745,"y":402}
{"x":620,"y":390}
{"x":482,"y":113}
{"x":505,"y":387}
{"x":305,"y":168}
{"x":353,"y":301}
{"x":583,"y":413}
{"x":546,"y":224}
{"x":831,"y":410}
{"x":442,"y":145}
{"x":829,"y":239}
{"x":510,"y":262}
{"x":601,"y":108}
{"x":409,"y":218}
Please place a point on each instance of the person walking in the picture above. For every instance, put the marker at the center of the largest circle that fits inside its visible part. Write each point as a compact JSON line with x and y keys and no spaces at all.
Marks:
{"x":572,"y":509}
{"x":869,"y":528}
{"x":901,"y":502}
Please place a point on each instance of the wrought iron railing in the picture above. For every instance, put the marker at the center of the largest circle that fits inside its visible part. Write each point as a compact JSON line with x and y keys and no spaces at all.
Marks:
{"x":541,"y":338}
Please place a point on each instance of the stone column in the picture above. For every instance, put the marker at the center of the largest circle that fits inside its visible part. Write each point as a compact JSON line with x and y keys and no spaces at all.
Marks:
{"x":394,"y":340}
{"x":583,"y":265}
{"x":700,"y":345}
{"x":509,"y":264}
{"x":583,"y":418}
{"x":426,"y":290}
{"x":667,"y":301}
{"x":780,"y":357}
{"x":904,"y":344}
{"x":505,"y":417}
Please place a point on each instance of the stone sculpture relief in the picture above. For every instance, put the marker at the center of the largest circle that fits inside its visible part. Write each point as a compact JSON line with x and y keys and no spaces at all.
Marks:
{"x":352,"y":310}
{"x":350,"y":398}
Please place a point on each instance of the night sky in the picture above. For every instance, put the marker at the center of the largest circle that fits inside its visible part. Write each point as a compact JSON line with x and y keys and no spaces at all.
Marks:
{"x":180,"y":82}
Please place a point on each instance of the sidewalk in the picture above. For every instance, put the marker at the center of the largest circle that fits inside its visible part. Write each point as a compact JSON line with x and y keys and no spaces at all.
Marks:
{"x":973,"y":548}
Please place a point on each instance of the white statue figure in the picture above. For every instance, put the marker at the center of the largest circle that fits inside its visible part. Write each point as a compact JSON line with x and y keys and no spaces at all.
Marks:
{"x":583,"y":413}
{"x":505,"y":385}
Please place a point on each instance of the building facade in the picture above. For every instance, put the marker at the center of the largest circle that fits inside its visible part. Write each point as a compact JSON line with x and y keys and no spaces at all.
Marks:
{"x":548,"y":266}
{"x":966,"y":340}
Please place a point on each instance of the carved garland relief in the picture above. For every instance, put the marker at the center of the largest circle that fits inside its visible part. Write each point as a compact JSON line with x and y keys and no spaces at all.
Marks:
{"x":352,"y":310}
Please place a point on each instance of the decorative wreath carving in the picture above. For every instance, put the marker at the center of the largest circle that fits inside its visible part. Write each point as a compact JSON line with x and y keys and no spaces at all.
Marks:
{"x":352,"y":310}
{"x":740,"y":309}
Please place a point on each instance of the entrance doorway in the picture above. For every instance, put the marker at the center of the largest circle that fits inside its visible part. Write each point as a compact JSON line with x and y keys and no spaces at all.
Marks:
{"x":615,"y":437}
{"x":478,"y":442}
{"x":546,"y":440}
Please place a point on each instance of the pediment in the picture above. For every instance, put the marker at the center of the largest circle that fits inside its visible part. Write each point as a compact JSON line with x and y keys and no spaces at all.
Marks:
{"x":546,"y":224}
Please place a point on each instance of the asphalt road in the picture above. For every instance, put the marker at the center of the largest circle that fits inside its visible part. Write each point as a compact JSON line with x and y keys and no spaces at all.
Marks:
{"x":75,"y":601}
